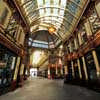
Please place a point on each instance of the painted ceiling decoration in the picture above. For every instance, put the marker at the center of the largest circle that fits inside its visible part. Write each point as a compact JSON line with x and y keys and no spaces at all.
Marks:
{"x":61,"y":15}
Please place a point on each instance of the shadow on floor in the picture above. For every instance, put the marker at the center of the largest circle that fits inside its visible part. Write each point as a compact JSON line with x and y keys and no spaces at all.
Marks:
{"x":94,"y":86}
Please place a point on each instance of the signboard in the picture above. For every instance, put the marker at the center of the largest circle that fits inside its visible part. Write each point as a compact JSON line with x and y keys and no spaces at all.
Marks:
{"x":2,"y":64}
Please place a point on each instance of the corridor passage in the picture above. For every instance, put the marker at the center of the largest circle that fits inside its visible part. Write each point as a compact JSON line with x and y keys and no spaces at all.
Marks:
{"x":44,"y":89}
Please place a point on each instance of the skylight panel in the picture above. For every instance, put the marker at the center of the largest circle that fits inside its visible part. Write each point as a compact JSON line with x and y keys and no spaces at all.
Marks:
{"x":41,"y":11}
{"x":63,"y":3}
{"x":47,"y":3}
{"x":72,"y":7}
{"x":61,"y":13}
{"x":48,"y":11}
{"x":55,"y":11}
{"x":56,"y":2}
{"x":40,"y":3}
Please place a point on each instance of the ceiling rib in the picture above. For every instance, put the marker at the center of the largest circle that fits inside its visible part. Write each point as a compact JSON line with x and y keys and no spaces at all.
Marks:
{"x":33,"y":11}
{"x":50,"y":16}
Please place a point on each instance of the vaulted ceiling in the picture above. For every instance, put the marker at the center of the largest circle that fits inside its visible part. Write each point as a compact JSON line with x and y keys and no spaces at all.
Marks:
{"x":63,"y":15}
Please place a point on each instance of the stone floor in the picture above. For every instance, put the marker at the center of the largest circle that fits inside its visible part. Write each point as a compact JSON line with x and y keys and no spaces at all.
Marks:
{"x":44,"y":89}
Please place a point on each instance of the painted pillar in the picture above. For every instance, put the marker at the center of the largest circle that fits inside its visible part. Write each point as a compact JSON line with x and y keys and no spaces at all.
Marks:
{"x":79,"y":38}
{"x":79,"y":68}
{"x":56,"y":69}
{"x":73,"y":74}
{"x":49,"y":72}
{"x":60,"y":64}
{"x":96,"y":62}
{"x":21,"y":75}
{"x":66,"y":70}
{"x":70,"y":48}
{"x":14,"y":82}
{"x":84,"y":67}
{"x":61,"y":69}
{"x":75,"y":42}
{"x":88,"y":28}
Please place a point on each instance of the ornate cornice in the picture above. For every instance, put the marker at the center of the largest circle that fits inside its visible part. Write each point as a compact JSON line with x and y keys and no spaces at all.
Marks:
{"x":92,"y":42}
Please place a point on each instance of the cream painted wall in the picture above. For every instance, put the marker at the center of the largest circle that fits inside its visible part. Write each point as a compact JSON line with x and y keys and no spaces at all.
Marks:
{"x":98,"y":8}
{"x":3,"y":5}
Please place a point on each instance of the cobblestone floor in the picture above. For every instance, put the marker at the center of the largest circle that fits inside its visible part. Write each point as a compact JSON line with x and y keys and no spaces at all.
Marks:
{"x":44,"y":89}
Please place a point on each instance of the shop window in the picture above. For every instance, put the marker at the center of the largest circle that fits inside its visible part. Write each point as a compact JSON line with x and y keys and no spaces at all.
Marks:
{"x":72,"y":46}
{"x":84,"y":37}
{"x":12,"y":26}
{"x":69,"y":77}
{"x":94,"y":21}
{"x":83,"y":34}
{"x":76,"y":70}
{"x":91,"y":68}
{"x":7,"y":66}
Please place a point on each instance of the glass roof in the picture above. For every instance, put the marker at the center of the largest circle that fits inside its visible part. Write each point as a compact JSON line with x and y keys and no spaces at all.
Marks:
{"x":61,"y":14}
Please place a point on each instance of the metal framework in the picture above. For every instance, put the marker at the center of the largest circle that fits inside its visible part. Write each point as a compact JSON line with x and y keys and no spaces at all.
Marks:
{"x":63,"y":14}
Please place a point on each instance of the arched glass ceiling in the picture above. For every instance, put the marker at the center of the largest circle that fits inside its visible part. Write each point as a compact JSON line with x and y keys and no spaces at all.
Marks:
{"x":62,"y":14}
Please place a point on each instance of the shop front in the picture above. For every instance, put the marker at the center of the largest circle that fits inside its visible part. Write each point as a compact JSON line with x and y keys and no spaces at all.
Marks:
{"x":91,"y":67}
{"x":7,"y":67}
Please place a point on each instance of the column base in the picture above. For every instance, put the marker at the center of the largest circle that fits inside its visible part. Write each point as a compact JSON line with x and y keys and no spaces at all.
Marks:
{"x":49,"y":77}
{"x":21,"y":83}
{"x":13,"y":85}
{"x":25,"y":77}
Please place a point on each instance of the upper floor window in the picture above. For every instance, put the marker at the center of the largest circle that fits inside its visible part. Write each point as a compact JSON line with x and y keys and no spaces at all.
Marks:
{"x":83,"y":33}
{"x":94,"y":21}
{"x":72,"y":46}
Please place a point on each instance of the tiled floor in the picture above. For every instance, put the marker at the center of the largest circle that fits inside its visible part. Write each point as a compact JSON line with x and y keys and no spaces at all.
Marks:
{"x":44,"y":89}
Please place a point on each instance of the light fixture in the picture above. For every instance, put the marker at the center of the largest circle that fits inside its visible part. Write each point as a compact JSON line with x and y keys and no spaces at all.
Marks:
{"x":51,"y":30}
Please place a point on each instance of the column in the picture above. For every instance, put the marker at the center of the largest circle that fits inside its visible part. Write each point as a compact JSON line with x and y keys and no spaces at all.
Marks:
{"x":56,"y":69}
{"x":96,"y":62}
{"x":61,"y":70}
{"x":49,"y":72}
{"x":66,"y":70}
{"x":75,"y":42}
{"x":88,"y":27}
{"x":70,"y":48}
{"x":79,"y":38}
{"x":14,"y":81}
{"x":73,"y":74}
{"x":84,"y":67}
{"x":79,"y":68}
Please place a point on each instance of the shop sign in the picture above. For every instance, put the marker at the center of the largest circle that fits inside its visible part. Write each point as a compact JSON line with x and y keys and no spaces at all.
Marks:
{"x":2,"y":64}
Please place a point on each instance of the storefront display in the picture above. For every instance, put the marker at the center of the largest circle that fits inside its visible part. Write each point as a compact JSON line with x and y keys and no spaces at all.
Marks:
{"x":76,"y":70}
{"x":69,"y":77}
{"x":91,"y":68}
{"x":7,"y":65}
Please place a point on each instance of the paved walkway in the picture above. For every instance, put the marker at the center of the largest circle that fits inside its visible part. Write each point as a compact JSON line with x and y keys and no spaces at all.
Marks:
{"x":44,"y":89}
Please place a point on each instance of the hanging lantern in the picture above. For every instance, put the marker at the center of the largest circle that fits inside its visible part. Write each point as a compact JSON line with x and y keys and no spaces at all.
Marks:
{"x":51,"y":30}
